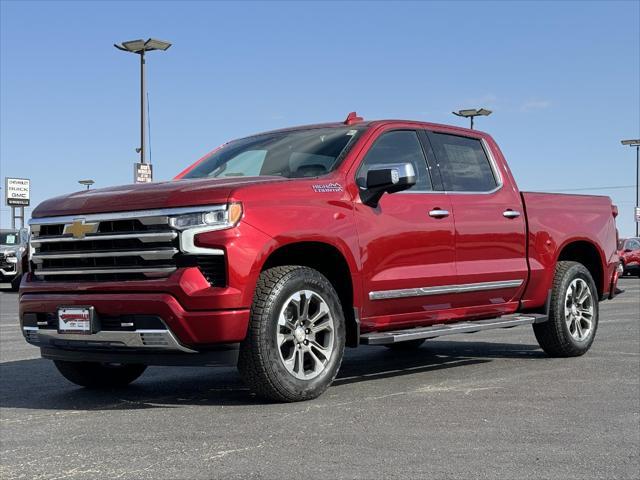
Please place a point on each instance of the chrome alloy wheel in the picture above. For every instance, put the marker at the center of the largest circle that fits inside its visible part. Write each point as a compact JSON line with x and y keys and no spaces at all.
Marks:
{"x":305,"y":335}
{"x":578,"y":310}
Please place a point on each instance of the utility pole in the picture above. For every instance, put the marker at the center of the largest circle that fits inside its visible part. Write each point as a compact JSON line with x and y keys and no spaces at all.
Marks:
{"x":140,"y":47}
{"x":636,"y":212}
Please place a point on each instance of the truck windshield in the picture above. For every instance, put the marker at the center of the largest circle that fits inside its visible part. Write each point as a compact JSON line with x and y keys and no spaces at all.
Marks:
{"x":291,"y":154}
{"x":8,"y":238}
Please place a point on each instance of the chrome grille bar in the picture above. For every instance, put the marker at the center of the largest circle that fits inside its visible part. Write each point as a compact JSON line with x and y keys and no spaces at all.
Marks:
{"x":97,"y":271}
{"x":144,"y":237}
{"x":160,"y":215}
{"x":145,"y":254}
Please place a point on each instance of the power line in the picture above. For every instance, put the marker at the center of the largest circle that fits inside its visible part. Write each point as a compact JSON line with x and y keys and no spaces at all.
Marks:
{"x":585,"y":189}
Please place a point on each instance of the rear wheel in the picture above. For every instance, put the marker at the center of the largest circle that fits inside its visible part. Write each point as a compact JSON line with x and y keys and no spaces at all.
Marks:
{"x":408,"y":345}
{"x":99,"y":375}
{"x":296,"y":336}
{"x":573,"y":315}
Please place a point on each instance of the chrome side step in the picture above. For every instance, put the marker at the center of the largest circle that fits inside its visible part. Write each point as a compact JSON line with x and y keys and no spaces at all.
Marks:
{"x":439,"y":330}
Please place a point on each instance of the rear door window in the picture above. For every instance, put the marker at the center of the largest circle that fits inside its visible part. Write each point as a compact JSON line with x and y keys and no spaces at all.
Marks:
{"x":463,"y":163}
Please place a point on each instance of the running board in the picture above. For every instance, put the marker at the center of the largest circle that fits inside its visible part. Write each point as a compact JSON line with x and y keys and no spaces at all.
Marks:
{"x":441,"y":329}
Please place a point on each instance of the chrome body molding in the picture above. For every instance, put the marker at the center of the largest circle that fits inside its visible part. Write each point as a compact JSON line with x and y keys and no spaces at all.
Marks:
{"x":137,"y":340}
{"x":188,"y":241}
{"x":442,"y":290}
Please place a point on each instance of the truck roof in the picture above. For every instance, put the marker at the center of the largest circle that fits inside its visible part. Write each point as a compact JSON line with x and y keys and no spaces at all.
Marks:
{"x":373,"y":123}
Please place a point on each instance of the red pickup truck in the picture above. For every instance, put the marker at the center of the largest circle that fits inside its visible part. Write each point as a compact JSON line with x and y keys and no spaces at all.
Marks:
{"x":277,"y":250}
{"x":629,"y":251}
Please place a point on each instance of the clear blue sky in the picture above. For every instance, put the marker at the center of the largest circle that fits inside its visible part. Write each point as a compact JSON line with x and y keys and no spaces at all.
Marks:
{"x":562,"y":77}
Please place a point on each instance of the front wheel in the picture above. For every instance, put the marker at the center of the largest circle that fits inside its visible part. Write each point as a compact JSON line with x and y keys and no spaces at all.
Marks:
{"x":573,"y":315}
{"x":296,"y":336}
{"x":99,"y":375}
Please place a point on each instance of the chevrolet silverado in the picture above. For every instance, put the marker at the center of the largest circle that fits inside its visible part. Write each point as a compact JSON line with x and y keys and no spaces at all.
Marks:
{"x":276,"y":251}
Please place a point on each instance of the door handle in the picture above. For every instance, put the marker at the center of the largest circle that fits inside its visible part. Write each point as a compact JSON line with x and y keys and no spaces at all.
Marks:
{"x":511,"y":213}
{"x":439,"y":213}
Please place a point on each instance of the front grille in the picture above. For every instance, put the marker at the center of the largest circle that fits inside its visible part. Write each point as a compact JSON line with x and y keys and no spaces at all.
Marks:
{"x":113,"y":247}
{"x":4,"y":265}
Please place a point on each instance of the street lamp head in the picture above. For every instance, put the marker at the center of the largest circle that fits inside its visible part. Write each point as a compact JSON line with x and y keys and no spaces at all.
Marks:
{"x":141,"y":46}
{"x":472,"y":112}
{"x":88,"y":182}
{"x":631,"y":143}
{"x":155,"y":44}
{"x":133,"y":46}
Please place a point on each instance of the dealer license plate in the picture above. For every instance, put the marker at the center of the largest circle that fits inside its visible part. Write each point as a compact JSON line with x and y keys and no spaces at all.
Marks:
{"x":75,"y":319}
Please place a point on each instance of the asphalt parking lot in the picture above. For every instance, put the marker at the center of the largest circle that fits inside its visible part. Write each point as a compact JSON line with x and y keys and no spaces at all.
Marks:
{"x":487,"y":405}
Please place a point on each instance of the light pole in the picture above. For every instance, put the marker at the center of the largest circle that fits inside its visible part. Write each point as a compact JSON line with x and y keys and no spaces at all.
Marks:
{"x":88,"y":182}
{"x":473,"y":112}
{"x":140,"y":47}
{"x":636,"y":143}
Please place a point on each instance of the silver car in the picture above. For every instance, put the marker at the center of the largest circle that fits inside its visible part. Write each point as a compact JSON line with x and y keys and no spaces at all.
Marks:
{"x":13,"y":247}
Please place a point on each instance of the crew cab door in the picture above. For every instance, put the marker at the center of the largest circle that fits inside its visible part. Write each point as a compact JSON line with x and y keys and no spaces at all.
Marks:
{"x":490,"y":238}
{"x":407,"y":241}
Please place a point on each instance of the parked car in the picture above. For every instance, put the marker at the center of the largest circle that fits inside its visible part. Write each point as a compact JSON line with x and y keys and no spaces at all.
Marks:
{"x":13,"y":246}
{"x":277,"y":250}
{"x":629,"y":251}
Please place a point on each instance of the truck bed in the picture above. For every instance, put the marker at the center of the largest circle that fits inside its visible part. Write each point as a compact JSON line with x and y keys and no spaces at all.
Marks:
{"x":551,"y":219}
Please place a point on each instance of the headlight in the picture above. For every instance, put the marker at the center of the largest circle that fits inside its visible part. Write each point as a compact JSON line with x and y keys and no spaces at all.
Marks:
{"x":218,"y":219}
{"x":11,"y":257}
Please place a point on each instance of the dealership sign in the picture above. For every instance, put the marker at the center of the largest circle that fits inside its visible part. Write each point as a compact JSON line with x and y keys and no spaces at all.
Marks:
{"x":637,"y":214}
{"x":16,"y":191}
{"x":142,"y":173}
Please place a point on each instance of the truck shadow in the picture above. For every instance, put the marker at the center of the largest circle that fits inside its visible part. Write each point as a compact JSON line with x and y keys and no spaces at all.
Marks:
{"x":35,"y":384}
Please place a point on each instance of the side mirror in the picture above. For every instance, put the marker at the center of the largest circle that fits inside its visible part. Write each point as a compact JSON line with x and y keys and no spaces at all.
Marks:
{"x":389,"y":178}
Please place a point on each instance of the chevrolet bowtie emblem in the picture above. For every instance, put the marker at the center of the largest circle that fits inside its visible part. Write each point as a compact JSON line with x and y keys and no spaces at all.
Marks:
{"x":79,"y":229}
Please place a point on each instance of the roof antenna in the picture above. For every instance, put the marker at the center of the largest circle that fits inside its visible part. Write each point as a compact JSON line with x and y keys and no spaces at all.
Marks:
{"x":352,"y":118}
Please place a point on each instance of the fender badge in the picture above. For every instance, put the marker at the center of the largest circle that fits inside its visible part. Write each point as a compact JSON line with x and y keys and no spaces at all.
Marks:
{"x":327,"y":187}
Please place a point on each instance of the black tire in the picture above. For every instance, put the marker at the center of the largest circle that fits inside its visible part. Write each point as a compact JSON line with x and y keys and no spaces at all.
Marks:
{"x":406,"y":346}
{"x":15,"y":283}
{"x":625,"y":272}
{"x":99,"y":375}
{"x":554,"y":335}
{"x":260,"y":362}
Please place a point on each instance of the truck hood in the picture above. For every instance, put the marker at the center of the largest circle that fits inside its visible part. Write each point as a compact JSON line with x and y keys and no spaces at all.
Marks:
{"x":174,"y":193}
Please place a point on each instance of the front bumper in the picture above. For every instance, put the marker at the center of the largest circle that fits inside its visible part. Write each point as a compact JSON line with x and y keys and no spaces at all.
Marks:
{"x":157,"y":340}
{"x":186,"y":331}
